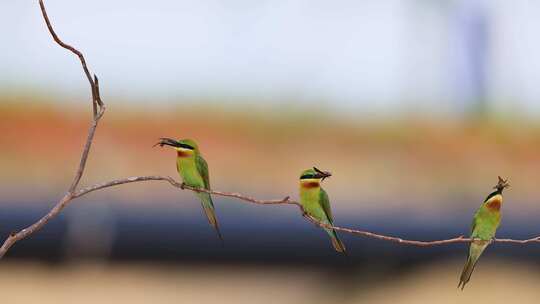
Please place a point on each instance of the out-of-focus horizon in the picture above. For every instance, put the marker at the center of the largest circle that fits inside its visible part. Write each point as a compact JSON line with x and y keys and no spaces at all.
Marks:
{"x":415,"y":107}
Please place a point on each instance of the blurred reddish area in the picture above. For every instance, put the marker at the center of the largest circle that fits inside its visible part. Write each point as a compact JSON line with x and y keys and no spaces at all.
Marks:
{"x":416,"y":160}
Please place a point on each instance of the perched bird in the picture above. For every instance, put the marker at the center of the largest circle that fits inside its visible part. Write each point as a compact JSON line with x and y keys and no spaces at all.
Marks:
{"x":193,"y":170}
{"x":485,"y":223}
{"x":315,"y":202}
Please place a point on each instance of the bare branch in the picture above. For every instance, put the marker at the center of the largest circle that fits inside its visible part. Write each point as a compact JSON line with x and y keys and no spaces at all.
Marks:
{"x":99,"y":110}
{"x":288,"y":201}
{"x":98,"y":113}
{"x":284,"y":201}
{"x":96,"y":100}
{"x":174,"y":183}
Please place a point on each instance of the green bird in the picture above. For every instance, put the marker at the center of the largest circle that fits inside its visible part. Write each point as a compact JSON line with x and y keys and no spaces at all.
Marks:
{"x":484,"y":226}
{"x":315,"y":202}
{"x":193,"y":170}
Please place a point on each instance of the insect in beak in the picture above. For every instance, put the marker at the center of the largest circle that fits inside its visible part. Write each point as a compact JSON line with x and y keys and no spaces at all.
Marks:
{"x":322,"y":174}
{"x":166,"y":142}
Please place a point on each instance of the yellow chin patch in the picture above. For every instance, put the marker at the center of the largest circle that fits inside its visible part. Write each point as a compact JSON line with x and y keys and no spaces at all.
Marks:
{"x":310,"y":183}
{"x":182,"y":152}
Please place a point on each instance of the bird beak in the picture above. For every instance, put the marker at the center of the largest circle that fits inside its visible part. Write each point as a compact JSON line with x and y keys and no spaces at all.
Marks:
{"x":322,"y":174}
{"x":167,"y":142}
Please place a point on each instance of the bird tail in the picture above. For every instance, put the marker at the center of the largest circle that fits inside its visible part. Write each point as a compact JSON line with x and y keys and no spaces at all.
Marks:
{"x":475,"y":250}
{"x":336,"y":242}
{"x":208,"y":207}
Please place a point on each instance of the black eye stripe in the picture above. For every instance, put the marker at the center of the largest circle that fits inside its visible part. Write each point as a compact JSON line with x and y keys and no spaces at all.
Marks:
{"x":308,"y":176}
{"x":185,"y":146}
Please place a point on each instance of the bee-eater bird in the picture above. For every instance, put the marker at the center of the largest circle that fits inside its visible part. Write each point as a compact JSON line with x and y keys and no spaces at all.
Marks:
{"x":315,"y":202}
{"x":485,"y":223}
{"x":193,"y":170}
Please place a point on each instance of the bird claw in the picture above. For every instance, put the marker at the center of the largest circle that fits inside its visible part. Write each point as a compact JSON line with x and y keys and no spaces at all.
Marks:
{"x":183,"y":186}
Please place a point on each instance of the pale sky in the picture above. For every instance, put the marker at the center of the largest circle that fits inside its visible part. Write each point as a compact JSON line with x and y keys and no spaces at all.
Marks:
{"x":377,"y":56}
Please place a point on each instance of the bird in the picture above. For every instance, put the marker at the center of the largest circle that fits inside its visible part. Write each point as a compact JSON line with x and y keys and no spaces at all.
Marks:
{"x":484,"y":226}
{"x":315,"y":202}
{"x":193,"y":170}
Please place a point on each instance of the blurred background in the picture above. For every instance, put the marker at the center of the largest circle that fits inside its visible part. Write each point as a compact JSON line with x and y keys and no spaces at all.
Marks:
{"x":415,"y":106}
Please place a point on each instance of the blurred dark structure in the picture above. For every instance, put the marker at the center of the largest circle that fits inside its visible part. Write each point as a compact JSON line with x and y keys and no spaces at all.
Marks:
{"x":474,"y":27}
{"x":253,"y":235}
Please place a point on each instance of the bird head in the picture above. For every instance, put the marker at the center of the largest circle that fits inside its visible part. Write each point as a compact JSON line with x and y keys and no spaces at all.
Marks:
{"x":314,"y":175}
{"x":501,"y":184}
{"x":184,"y":147}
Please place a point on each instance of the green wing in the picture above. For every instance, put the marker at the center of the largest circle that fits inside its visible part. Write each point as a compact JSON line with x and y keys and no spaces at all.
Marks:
{"x":476,"y":218}
{"x":202,"y":167}
{"x":325,"y":203}
{"x":473,"y":224}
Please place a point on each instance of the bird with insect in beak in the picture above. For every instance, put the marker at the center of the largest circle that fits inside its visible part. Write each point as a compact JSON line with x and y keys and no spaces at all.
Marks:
{"x":484,"y":226}
{"x":193,"y":170}
{"x":315,"y":202}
